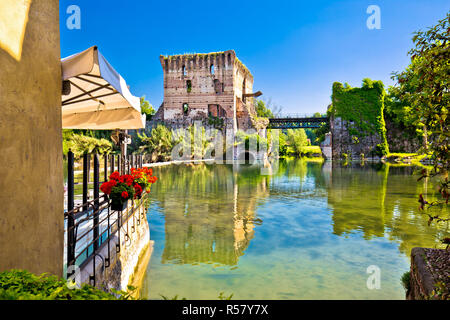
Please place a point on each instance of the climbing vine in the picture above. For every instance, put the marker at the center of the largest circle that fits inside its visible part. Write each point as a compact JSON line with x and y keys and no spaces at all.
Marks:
{"x":363,"y":109}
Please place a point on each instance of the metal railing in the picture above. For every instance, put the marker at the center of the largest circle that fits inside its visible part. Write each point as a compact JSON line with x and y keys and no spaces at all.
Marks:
{"x":91,"y":224}
{"x":297,"y":116}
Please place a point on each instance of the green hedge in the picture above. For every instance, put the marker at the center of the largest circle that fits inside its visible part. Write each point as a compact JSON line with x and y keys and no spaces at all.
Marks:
{"x":24,"y":285}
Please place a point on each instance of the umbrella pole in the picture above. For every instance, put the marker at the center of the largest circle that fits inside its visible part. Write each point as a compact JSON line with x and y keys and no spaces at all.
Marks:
{"x":123,"y":152}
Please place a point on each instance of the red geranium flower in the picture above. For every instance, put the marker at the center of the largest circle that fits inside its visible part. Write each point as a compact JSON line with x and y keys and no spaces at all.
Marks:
{"x":105,"y":187}
{"x":115,"y":175}
{"x":125,"y":195}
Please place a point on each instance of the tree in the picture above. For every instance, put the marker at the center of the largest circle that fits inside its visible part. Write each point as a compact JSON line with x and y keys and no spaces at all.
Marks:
{"x":80,"y":144}
{"x":262,"y":110}
{"x":296,"y":139}
{"x":267,"y":109}
{"x":159,"y":144}
{"x":423,"y":90}
{"x":147,"y":108}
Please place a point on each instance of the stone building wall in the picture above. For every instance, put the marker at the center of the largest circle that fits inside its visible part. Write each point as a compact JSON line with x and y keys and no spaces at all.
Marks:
{"x":343,"y":142}
{"x":127,"y":267}
{"x":31,"y":170}
{"x":208,"y":84}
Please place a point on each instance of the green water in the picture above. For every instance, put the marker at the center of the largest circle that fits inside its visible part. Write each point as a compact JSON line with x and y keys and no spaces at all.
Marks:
{"x":310,"y":231}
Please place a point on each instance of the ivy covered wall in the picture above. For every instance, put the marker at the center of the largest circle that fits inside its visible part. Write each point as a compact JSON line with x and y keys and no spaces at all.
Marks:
{"x":357,"y":120}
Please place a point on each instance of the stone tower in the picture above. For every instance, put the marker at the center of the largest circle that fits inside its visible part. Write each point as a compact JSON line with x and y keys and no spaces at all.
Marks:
{"x":207,"y":86}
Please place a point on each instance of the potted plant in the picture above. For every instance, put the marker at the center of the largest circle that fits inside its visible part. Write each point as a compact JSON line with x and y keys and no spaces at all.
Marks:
{"x":143,"y":178}
{"x":119,"y":189}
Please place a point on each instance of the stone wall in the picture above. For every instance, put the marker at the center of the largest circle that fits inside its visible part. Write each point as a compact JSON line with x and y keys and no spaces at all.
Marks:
{"x":429,"y":267}
{"x":401,"y":139}
{"x":31,"y":166}
{"x":357,"y":120}
{"x":343,"y":142}
{"x":207,"y":84}
{"x":327,"y":147}
{"x":127,"y":267}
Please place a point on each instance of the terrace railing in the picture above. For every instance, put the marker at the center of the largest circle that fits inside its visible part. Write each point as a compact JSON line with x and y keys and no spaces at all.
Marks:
{"x":91,"y":224}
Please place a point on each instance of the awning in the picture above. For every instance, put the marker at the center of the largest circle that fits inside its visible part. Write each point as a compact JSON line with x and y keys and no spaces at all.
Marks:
{"x":99,"y":97}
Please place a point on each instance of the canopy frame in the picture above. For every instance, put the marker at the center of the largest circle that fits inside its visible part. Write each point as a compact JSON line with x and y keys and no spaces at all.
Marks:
{"x":95,"y":96}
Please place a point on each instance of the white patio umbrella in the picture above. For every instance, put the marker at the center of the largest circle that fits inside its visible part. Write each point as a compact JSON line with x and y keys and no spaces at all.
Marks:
{"x":95,"y":96}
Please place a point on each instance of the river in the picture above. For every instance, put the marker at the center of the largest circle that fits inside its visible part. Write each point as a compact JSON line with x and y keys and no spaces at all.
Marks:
{"x":309,"y":231}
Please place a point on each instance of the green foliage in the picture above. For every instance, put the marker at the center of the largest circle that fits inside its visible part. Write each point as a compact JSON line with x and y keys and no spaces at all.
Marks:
{"x":116,"y":192}
{"x":319,"y":133}
{"x":80,"y":144}
{"x":310,"y":151}
{"x":362,"y":108}
{"x":254,"y":139}
{"x":160,"y":143}
{"x":173,"y":298}
{"x":422,"y":93}
{"x":294,"y":143}
{"x":198,"y":143}
{"x":282,"y":144}
{"x":147,"y":108}
{"x":262,"y":110}
{"x":297,"y":139}
{"x":23,"y":285}
{"x":398,"y":110}
{"x":406,"y":280}
{"x":216,"y":122}
{"x":221,"y":296}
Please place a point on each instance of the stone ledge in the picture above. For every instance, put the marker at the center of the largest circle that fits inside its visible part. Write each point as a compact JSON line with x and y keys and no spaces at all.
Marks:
{"x":123,"y":264}
{"x":424,"y":276}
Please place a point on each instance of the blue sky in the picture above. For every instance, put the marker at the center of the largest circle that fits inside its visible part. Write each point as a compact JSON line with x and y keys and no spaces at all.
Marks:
{"x":294,"y":49}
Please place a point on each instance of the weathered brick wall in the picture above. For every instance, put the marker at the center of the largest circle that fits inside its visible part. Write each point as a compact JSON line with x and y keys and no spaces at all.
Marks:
{"x":212,"y":83}
{"x":197,"y":69}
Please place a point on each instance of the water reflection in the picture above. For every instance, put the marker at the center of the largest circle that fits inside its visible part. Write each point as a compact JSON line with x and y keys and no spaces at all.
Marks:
{"x":307,"y":232}
{"x":381,"y":201}
{"x":209,"y":212}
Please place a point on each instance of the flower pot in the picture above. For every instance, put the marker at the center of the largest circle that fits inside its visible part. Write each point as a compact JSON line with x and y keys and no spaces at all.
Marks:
{"x":119,"y":206}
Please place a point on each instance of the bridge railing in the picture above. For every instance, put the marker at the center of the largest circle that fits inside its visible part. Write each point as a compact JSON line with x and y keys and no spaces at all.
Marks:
{"x":297,"y":115}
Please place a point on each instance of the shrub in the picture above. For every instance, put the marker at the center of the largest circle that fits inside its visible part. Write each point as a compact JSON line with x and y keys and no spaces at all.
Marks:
{"x":24,"y":285}
{"x":160,"y":143}
{"x":406,"y":280}
{"x":80,"y":144}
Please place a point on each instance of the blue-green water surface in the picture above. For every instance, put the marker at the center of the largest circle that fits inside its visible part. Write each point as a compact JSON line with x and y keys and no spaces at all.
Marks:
{"x":309,"y":231}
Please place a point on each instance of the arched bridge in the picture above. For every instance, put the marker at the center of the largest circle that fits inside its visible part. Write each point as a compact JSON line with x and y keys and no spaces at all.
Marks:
{"x":296,"y":122}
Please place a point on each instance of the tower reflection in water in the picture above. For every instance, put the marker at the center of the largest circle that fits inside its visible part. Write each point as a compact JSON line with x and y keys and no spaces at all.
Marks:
{"x":209,"y":212}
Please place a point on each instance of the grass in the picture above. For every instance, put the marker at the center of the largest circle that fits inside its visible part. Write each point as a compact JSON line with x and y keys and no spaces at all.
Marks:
{"x":307,"y":152}
{"x":311,"y":150}
{"x":405,"y":157}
